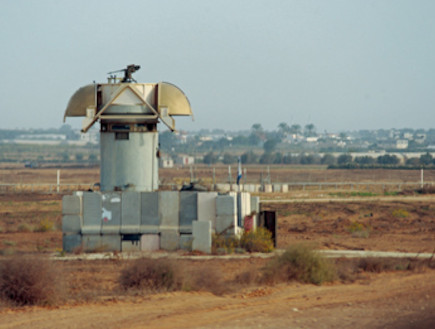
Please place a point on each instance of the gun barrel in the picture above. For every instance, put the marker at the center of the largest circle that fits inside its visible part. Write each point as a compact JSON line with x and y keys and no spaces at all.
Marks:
{"x":123,"y":70}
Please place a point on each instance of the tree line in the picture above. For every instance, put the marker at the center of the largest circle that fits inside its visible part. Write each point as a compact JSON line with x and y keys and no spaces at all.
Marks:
{"x":344,"y":160}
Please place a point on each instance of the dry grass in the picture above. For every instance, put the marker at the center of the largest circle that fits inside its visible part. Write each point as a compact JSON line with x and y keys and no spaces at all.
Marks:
{"x":29,"y":280}
{"x":299,"y":263}
{"x":153,"y":275}
{"x":258,"y":240}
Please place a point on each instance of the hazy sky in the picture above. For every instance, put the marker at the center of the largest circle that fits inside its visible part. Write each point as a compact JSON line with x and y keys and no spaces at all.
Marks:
{"x":341,"y":65}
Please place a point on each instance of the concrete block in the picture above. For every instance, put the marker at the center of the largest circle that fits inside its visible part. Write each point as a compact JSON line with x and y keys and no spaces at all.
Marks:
{"x":72,"y":224}
{"x":92,"y":213}
{"x":111,"y":242}
{"x":243,"y":207}
{"x":226,"y":213}
{"x":267,"y":188}
{"x":130,"y":212}
{"x":111,"y":212}
{"x":201,"y":236}
{"x":188,"y":210}
{"x":255,"y":204}
{"x":169,"y":208}
{"x":235,"y":187}
{"x":100,"y":243}
{"x":186,"y":241}
{"x":223,"y":187}
{"x":226,"y":224}
{"x":71,"y":242}
{"x":226,"y":204}
{"x":130,"y":245}
{"x":284,"y":188}
{"x":149,"y":222}
{"x":169,"y":239}
{"x":150,"y":242}
{"x":249,"y":188}
{"x":245,"y":203}
{"x":276,"y":187}
{"x":71,"y":205}
{"x":207,"y":207}
{"x":91,"y":242}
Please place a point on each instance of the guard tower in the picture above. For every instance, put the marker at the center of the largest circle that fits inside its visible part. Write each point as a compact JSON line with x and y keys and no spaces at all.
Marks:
{"x":128,"y":113}
{"x":130,"y":213}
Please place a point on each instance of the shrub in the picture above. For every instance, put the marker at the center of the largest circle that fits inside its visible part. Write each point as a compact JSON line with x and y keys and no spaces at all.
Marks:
{"x":26,"y":280}
{"x":221,"y":244}
{"x":400,"y":213}
{"x":150,"y":274}
{"x":45,"y":226}
{"x":24,"y":228}
{"x":301,"y":263}
{"x":258,"y":240}
{"x":359,"y":230}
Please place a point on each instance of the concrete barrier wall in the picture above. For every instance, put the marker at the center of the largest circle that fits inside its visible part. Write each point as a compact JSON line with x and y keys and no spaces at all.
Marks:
{"x":133,"y":221}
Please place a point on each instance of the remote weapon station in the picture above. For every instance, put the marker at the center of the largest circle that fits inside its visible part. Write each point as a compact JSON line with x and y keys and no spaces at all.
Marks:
{"x":128,"y":113}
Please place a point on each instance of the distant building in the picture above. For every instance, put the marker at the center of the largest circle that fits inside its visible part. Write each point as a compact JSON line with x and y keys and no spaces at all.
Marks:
{"x":402,"y":144}
{"x":90,"y":137}
{"x":185,"y":160}
{"x":313,"y":139}
{"x":420,"y":138}
{"x":166,"y":162}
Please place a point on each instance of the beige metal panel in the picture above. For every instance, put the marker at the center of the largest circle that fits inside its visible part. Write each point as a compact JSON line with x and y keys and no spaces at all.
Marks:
{"x":127,"y":97}
{"x":81,"y":100}
{"x":173,"y":98}
{"x":128,"y":101}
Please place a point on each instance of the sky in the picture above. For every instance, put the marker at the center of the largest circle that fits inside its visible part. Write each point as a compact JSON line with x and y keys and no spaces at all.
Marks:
{"x":340,"y":65}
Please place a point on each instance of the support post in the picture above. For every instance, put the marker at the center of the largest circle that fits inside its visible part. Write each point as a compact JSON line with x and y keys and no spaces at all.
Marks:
{"x":58,"y":181}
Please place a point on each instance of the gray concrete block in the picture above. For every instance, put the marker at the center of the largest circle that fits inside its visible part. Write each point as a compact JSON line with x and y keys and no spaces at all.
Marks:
{"x":186,"y":241}
{"x":111,"y":242}
{"x":91,"y":242}
{"x":150,"y":242}
{"x":149,"y":221}
{"x":130,"y":212}
{"x":169,"y":239}
{"x":226,"y":204}
{"x":111,"y":212}
{"x":226,"y":224}
{"x":72,"y":224}
{"x":71,"y":242}
{"x":128,"y":246}
{"x":188,"y":210}
{"x":71,"y":205}
{"x":284,"y":188}
{"x":169,"y":207}
{"x":201,"y":236}
{"x":100,"y":243}
{"x":207,"y":207}
{"x":92,"y":213}
{"x":255,"y":204}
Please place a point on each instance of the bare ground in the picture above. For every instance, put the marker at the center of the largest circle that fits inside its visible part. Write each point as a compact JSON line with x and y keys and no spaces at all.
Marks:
{"x":397,"y":299}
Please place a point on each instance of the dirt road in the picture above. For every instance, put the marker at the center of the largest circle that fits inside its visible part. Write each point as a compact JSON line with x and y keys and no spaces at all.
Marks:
{"x":394,"y":300}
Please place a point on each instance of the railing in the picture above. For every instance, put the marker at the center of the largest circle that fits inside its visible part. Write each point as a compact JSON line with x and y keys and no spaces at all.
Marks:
{"x":45,"y":187}
{"x":274,"y":187}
